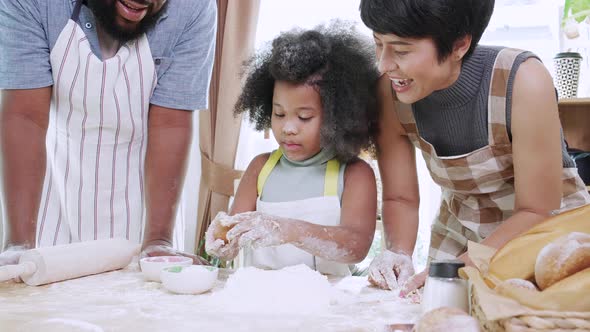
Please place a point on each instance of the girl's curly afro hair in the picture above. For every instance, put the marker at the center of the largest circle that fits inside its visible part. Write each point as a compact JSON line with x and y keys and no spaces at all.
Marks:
{"x":340,"y":63}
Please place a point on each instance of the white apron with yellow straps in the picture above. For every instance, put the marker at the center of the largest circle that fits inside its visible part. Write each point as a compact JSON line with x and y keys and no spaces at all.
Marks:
{"x":323,"y":210}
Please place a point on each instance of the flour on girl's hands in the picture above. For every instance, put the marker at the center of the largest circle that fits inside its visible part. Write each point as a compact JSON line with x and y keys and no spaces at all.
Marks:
{"x":218,"y":247}
{"x":257,"y":230}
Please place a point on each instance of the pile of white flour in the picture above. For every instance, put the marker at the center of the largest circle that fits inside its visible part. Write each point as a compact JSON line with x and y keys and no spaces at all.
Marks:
{"x":292,"y":290}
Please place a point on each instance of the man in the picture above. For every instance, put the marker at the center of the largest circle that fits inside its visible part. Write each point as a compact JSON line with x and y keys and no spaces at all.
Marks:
{"x":96,"y":117}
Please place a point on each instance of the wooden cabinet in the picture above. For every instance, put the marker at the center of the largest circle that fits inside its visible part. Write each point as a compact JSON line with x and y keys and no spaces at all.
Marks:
{"x":575,"y":119}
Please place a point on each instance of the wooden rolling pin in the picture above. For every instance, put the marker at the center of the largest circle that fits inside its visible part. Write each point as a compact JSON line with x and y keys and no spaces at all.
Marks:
{"x":50,"y":264}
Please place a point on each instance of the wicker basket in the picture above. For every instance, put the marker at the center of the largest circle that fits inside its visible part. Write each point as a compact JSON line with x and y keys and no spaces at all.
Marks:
{"x":528,"y":320}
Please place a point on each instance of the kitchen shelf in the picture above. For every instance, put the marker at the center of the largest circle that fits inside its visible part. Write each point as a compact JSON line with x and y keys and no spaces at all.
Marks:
{"x":574,"y":115}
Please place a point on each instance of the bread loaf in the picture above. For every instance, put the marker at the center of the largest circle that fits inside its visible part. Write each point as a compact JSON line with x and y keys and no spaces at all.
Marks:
{"x":518,"y":257}
{"x":447,"y":319}
{"x":569,"y":294}
{"x":518,"y":283}
{"x":561,"y":258}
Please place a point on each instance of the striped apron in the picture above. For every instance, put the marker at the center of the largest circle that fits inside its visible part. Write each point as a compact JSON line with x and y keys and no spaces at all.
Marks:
{"x":96,"y":140}
{"x":478,"y":187}
{"x":323,"y":210}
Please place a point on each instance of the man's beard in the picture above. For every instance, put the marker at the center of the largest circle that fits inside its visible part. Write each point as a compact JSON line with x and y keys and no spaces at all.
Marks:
{"x":105,"y":13}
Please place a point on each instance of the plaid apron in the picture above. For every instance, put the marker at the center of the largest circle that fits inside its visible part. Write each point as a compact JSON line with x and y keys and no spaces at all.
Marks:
{"x":478,"y":187}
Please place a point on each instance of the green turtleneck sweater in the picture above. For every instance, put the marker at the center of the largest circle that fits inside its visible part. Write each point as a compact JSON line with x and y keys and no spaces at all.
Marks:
{"x":296,"y":180}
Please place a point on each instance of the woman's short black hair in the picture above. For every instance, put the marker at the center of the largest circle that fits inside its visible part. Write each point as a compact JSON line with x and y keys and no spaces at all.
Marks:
{"x":340,"y":63}
{"x":445,"y":21}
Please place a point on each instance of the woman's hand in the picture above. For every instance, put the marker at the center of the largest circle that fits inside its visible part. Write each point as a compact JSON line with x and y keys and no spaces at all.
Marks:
{"x":414,"y":283}
{"x":389,"y":269}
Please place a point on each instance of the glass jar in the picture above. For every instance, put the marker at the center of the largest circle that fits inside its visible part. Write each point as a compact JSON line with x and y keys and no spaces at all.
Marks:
{"x":444,"y":287}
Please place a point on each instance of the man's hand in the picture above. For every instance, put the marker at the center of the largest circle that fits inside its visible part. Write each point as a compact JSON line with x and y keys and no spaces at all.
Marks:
{"x":390,"y":270}
{"x":11,"y":255}
{"x":160,"y":248}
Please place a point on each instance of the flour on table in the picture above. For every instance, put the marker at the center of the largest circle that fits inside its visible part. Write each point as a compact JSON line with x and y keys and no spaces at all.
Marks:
{"x":291,"y":290}
{"x":62,"y":324}
{"x":254,"y":300}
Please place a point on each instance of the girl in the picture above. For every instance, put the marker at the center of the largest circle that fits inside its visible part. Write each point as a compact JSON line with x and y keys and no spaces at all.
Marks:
{"x":311,"y":201}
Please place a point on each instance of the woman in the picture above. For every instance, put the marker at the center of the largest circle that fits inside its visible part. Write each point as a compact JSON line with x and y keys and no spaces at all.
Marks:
{"x":486,"y":121}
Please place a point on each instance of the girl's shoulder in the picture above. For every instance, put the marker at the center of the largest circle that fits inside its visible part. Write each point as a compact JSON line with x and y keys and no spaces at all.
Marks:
{"x":258,"y":162}
{"x":358,"y":168}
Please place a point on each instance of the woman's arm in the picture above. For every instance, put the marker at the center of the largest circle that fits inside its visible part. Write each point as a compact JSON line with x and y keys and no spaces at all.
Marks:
{"x":401,"y":198}
{"x":397,"y":166}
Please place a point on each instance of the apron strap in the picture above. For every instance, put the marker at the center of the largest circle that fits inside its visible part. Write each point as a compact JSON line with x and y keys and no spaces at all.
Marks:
{"x":331,"y":178}
{"x":77,"y":8}
{"x":497,"y":126}
{"x":330,"y":181}
{"x":267,"y":168}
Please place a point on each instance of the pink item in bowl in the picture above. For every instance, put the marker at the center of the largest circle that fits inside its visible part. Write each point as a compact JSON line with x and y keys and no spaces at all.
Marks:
{"x":151,"y":267}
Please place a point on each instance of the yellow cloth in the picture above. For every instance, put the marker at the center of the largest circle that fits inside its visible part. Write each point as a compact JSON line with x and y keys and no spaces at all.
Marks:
{"x":517,"y":260}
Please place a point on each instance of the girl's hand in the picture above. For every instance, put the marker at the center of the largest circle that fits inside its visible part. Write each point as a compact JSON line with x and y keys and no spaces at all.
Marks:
{"x":219,"y":247}
{"x":257,"y":229}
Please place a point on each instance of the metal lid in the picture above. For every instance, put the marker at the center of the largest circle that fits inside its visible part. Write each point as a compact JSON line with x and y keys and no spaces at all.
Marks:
{"x":574,"y":55}
{"x":445,"y":268}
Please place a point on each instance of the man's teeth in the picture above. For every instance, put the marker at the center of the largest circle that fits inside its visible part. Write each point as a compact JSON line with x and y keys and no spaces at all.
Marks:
{"x":399,"y":82}
{"x":130,"y":5}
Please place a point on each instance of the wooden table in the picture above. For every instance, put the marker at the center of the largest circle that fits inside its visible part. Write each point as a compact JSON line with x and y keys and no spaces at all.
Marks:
{"x":575,"y":119}
{"x":123,"y":301}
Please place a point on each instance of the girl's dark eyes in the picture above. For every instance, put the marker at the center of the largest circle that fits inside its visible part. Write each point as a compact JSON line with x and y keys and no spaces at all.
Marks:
{"x":280,"y":115}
